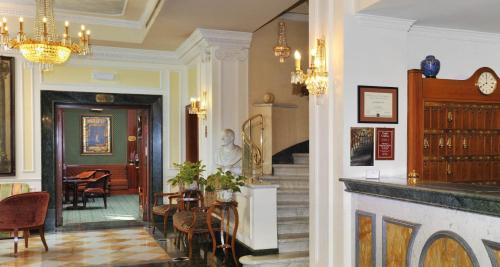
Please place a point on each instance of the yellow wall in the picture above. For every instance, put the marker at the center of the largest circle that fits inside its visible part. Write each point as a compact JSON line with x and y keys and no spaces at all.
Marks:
{"x":135,"y":78}
{"x":174,"y":116}
{"x":267,"y":74}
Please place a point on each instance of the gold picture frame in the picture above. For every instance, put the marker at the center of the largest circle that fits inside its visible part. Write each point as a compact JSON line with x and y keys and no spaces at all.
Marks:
{"x":7,"y":127}
{"x":96,"y":135}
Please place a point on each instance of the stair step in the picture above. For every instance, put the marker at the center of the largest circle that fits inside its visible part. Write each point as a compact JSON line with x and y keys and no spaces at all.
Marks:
{"x":295,"y":259}
{"x":290,"y":169}
{"x":293,"y":242}
{"x":289,"y":177}
{"x":293,"y":204}
{"x":287,"y":211}
{"x":293,"y":225}
{"x":289,"y":183}
{"x":300,"y":158}
{"x":301,"y":195}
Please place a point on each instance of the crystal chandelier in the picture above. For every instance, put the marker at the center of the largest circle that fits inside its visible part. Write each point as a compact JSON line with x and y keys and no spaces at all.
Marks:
{"x":282,"y":50}
{"x":316,"y":78}
{"x":45,"y":47}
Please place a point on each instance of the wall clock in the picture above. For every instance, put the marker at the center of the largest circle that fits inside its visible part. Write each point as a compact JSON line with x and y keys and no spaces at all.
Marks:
{"x":487,"y":83}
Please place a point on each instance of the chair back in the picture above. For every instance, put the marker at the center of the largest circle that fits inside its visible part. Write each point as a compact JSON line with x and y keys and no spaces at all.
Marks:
{"x":100,"y":182}
{"x":24,"y":210}
{"x":190,"y":199}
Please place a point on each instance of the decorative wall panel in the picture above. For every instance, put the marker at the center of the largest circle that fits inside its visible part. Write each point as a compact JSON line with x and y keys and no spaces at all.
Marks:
{"x":398,"y":237}
{"x":365,"y":239}
{"x":493,"y":249}
{"x":447,"y":249}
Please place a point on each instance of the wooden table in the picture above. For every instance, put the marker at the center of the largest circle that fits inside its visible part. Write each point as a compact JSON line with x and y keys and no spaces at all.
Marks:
{"x":225,"y":208}
{"x":74,"y":181}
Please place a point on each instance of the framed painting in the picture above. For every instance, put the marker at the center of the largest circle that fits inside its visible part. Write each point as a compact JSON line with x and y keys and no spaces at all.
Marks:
{"x":377,"y":104}
{"x":7,"y":144}
{"x":96,"y":135}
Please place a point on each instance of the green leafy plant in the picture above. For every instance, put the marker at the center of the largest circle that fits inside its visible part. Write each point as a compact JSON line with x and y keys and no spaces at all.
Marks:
{"x":224,"y":181}
{"x":189,"y":172}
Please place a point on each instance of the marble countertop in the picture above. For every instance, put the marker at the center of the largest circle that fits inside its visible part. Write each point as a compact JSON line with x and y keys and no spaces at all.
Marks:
{"x":482,"y":199}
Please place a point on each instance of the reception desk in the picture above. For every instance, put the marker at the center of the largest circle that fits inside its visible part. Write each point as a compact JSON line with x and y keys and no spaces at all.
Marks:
{"x":438,"y":224}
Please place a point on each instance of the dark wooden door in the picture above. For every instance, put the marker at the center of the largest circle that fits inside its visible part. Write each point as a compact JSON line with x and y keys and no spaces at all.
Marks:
{"x":191,"y":136}
{"x":59,"y":165}
{"x":142,"y":162}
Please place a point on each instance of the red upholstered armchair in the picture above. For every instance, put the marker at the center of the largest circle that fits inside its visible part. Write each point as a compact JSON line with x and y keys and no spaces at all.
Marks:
{"x":24,"y":212}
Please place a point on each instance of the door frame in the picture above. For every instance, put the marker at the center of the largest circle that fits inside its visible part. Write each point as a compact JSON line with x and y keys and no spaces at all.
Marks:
{"x":49,"y":100}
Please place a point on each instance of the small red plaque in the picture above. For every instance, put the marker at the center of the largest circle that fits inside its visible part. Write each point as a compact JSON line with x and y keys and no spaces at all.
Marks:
{"x":385,"y":144}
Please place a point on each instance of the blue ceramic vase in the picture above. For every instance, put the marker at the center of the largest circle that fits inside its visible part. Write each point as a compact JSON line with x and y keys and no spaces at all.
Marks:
{"x":430,"y":66}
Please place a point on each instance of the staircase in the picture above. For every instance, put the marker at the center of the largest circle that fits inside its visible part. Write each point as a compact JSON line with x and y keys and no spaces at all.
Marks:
{"x":293,"y":213}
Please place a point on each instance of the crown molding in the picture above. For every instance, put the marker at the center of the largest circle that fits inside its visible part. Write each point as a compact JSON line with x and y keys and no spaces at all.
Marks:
{"x":18,"y":9}
{"x":202,"y":40}
{"x":133,"y":55}
{"x":455,"y":34}
{"x":384,"y":22}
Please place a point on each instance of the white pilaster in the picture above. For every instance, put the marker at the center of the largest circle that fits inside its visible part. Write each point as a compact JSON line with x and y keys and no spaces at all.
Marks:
{"x":224,"y":77}
{"x":326,"y":247}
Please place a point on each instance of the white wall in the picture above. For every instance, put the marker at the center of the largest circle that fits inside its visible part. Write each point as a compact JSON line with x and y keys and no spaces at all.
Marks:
{"x":368,"y":50}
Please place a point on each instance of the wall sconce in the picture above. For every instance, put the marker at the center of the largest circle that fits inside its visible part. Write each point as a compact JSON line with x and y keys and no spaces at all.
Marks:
{"x":316,"y":78}
{"x":198,"y":106}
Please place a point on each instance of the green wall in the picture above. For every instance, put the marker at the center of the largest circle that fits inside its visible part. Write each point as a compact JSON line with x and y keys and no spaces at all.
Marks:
{"x":73,"y":132}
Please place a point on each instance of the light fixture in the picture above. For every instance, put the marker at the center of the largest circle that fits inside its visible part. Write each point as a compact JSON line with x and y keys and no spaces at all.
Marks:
{"x":45,"y":47}
{"x":316,"y":78}
{"x":281,"y":49}
{"x":198,"y":106}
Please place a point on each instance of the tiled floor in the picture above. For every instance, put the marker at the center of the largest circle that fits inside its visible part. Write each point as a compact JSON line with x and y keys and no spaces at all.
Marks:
{"x":133,"y":246}
{"x":120,"y":207}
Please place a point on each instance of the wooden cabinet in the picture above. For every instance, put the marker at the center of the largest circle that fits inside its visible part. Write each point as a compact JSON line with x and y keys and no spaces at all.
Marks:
{"x":453,"y":129}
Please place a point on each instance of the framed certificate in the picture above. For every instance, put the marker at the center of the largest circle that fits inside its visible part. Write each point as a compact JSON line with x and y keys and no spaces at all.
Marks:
{"x":377,"y":104}
{"x":384,"y":144}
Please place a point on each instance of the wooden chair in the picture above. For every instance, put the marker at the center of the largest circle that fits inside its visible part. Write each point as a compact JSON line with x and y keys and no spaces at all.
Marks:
{"x":163,"y":210}
{"x":191,"y":218}
{"x":96,"y":188}
{"x":99,"y":173}
{"x":24,"y":212}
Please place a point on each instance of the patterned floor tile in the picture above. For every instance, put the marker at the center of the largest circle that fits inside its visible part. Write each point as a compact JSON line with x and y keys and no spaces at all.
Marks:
{"x":85,"y":249}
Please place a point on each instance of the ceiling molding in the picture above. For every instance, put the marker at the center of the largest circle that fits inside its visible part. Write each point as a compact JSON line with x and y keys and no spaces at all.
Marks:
{"x":295,"y":17}
{"x":28,"y":11}
{"x":133,"y":55}
{"x":384,"y":22}
{"x":455,"y":34}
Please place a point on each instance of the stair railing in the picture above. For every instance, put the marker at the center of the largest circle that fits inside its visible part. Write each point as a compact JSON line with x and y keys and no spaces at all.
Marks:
{"x":252,"y":132}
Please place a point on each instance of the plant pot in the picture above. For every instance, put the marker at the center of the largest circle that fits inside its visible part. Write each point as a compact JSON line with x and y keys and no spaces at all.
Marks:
{"x":224,"y":195}
{"x":193,"y":186}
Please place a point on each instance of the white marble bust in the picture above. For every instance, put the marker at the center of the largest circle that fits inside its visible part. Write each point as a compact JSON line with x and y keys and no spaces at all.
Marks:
{"x":228,"y":156}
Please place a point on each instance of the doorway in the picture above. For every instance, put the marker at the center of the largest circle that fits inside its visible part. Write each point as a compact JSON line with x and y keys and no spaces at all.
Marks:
{"x":149,"y":163}
{"x":104,"y":163}
{"x":192,"y":148}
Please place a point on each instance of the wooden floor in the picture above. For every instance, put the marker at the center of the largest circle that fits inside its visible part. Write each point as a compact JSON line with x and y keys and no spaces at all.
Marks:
{"x":120,"y":208}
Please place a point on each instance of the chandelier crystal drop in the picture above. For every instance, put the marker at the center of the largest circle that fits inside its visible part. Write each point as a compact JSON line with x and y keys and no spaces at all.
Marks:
{"x":45,"y":47}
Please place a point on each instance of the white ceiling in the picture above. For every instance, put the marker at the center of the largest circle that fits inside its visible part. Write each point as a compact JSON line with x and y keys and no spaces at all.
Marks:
{"x":475,"y":15}
{"x":149,"y":24}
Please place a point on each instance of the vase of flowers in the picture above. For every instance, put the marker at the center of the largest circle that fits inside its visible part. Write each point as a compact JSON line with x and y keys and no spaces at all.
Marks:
{"x":225,"y":184}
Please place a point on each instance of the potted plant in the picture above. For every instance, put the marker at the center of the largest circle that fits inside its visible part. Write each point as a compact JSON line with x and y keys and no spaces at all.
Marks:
{"x":225,"y":184}
{"x":189,"y":175}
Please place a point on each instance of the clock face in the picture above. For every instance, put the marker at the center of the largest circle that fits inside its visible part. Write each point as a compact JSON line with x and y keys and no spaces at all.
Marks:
{"x":487,"y":83}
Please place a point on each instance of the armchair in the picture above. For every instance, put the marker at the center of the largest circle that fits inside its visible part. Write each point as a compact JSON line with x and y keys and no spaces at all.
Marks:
{"x":163,"y":210}
{"x":24,"y":212}
{"x":96,"y":188}
{"x":191,"y":219}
